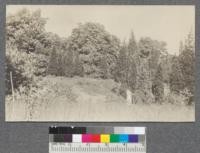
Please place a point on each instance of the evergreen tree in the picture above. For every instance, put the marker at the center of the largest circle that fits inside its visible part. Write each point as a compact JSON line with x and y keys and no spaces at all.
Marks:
{"x":103,"y":68}
{"x":158,"y":86}
{"x":68,"y":65}
{"x":181,"y":47}
{"x":121,"y":67}
{"x":60,"y":68}
{"x":53,"y":65}
{"x":131,"y":64}
{"x":182,"y":75}
{"x":132,"y":75}
{"x":132,"y":45}
{"x":187,"y":63}
{"x":176,"y":76}
{"x":78,"y":68}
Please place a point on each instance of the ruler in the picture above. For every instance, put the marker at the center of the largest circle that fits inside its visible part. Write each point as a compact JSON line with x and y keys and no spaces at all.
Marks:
{"x":97,"y":139}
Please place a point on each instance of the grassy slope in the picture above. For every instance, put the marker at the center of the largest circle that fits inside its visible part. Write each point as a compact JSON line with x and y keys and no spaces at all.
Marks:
{"x":83,"y":99}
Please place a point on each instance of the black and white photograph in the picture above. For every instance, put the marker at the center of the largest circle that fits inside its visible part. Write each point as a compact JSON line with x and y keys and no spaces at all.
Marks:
{"x":100,"y":63}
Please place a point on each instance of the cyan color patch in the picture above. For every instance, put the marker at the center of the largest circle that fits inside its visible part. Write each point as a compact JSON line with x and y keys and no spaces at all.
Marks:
{"x":123,"y":138}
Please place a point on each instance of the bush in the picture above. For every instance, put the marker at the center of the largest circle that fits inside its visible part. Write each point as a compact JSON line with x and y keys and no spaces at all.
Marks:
{"x":183,"y":98}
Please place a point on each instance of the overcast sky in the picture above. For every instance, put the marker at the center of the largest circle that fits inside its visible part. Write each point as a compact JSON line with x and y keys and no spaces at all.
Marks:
{"x":166,"y":23}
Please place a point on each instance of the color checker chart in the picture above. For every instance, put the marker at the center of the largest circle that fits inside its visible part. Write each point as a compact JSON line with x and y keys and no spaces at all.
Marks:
{"x":97,"y":139}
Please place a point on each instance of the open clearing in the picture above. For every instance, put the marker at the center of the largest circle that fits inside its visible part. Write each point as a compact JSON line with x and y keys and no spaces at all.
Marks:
{"x":86,"y":99}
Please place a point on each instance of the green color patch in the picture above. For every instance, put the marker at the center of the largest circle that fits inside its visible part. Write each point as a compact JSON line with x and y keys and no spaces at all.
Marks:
{"x":114,"y":138}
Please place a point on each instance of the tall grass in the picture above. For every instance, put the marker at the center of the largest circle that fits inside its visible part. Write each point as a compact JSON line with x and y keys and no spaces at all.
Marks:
{"x":86,"y":99}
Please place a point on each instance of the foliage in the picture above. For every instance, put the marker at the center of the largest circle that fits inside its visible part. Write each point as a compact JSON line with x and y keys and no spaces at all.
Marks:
{"x":17,"y":76}
{"x":78,"y":68}
{"x":132,"y":78}
{"x":28,"y":45}
{"x":187,"y":64}
{"x":67,"y":64}
{"x":93,"y":43}
{"x":182,"y":75}
{"x":53,"y":63}
{"x":132,"y":45}
{"x":158,"y":86}
{"x":176,"y":76}
{"x":150,"y":52}
{"x":26,"y":30}
{"x":126,"y":70}
{"x":166,"y":64}
{"x":121,"y":67}
{"x":132,"y":62}
{"x":143,"y":67}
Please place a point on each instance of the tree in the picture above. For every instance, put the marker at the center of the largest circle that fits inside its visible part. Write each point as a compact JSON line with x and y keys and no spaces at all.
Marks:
{"x":121,"y":67}
{"x":187,"y":63}
{"x":25,"y":31}
{"x":176,"y":76}
{"x":158,"y":86}
{"x":16,"y":64}
{"x":17,"y":76}
{"x":67,"y":64}
{"x":132,"y":79}
{"x":78,"y":68}
{"x":182,"y":75}
{"x":104,"y":68}
{"x":92,"y":42}
{"x":166,"y":63}
{"x":181,"y":47}
{"x":132,"y":45}
{"x":145,"y":48}
{"x":53,"y":64}
{"x":131,"y":62}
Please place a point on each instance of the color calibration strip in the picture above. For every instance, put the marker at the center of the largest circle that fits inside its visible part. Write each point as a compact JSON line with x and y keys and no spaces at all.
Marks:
{"x":97,"y":139}
{"x":96,"y":129}
{"x":97,"y":134}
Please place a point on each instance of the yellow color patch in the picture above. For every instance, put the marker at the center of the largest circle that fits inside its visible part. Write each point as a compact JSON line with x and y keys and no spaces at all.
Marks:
{"x":105,"y":138}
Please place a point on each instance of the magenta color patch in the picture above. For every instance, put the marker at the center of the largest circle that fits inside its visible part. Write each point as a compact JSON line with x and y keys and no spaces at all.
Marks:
{"x":86,"y":138}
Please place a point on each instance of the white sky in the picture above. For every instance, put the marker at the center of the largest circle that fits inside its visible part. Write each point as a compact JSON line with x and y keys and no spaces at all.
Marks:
{"x":161,"y":22}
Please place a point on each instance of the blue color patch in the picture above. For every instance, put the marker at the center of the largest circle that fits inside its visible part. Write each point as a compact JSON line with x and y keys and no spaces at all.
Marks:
{"x":133,"y":138}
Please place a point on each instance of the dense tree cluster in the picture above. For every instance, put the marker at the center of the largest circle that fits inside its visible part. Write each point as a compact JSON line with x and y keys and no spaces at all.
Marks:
{"x":28,"y":47}
{"x":138,"y":67}
{"x":182,"y":78}
{"x":143,"y":67}
{"x":96,"y":48}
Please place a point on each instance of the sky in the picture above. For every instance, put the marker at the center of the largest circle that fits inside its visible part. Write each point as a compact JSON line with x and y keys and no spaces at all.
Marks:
{"x":160,"y":22}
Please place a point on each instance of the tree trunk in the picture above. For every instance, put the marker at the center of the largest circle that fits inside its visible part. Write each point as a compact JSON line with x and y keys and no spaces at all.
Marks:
{"x":128,"y":97}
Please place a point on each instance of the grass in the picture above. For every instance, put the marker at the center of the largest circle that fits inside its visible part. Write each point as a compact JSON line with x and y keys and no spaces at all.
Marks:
{"x":87,"y":99}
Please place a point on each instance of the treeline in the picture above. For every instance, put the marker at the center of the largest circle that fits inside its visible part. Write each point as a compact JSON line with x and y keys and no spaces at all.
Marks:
{"x":90,"y":51}
{"x":182,"y":76}
{"x":28,"y":48}
{"x":143,"y":67}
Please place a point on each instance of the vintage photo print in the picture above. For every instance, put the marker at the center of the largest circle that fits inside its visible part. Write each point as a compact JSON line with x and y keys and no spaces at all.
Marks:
{"x":111,"y":63}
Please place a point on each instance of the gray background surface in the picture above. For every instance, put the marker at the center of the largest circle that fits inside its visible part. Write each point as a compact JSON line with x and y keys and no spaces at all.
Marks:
{"x":32,"y":137}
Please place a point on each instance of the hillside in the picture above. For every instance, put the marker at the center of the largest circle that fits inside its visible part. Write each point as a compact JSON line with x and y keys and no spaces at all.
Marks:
{"x":86,"y":99}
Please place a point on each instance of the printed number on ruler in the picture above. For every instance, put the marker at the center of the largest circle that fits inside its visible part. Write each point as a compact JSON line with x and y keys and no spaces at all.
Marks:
{"x":98,"y":148}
